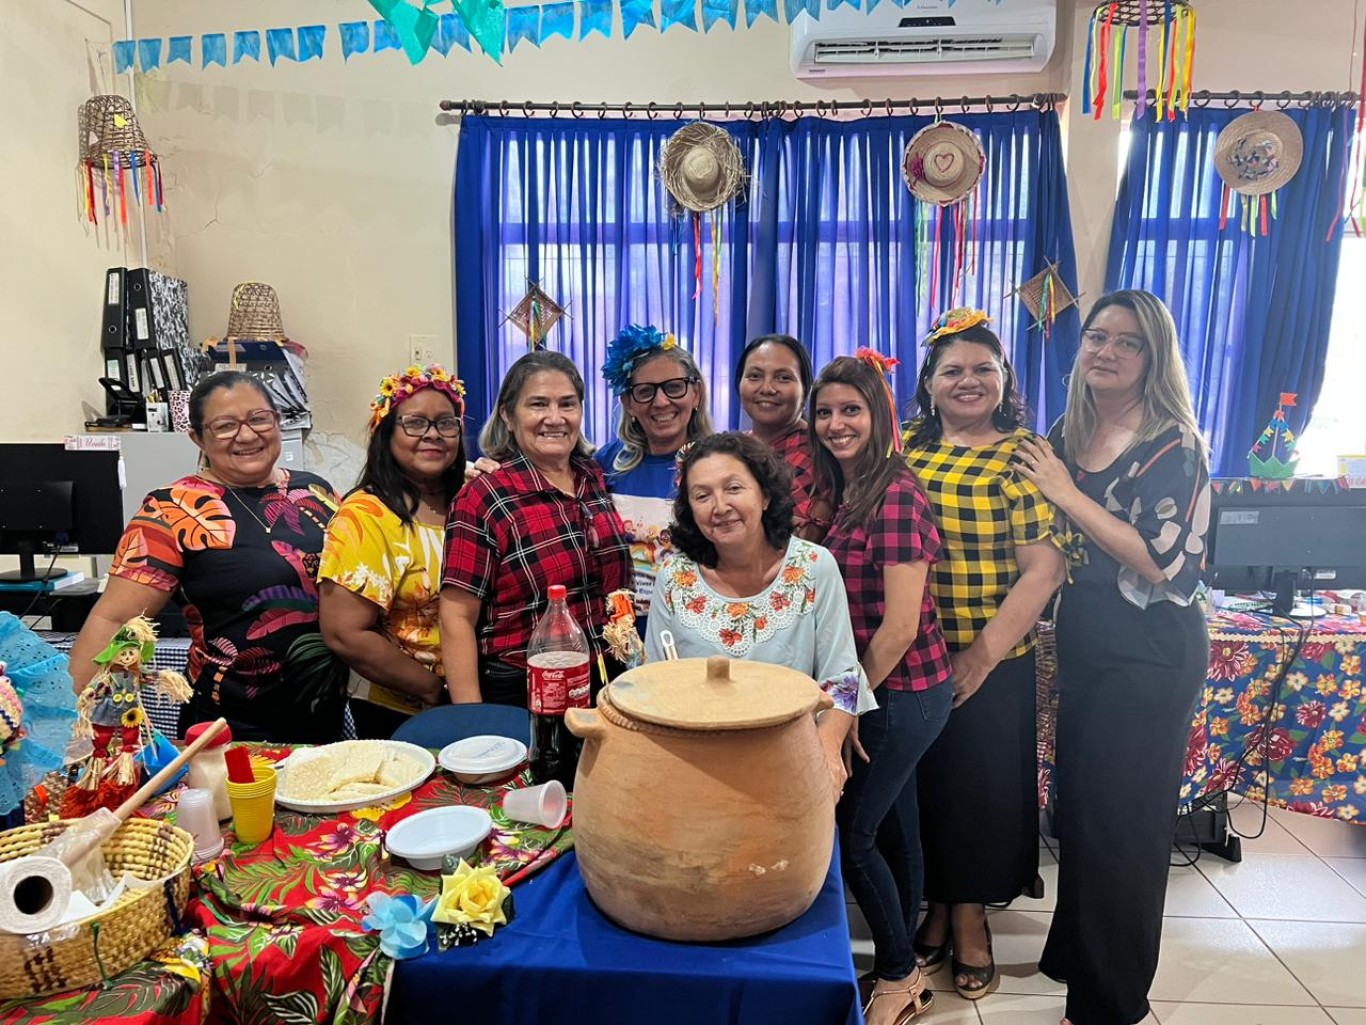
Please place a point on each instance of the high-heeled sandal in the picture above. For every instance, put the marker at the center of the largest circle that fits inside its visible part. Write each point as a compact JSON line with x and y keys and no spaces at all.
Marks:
{"x":985,"y":975}
{"x":931,"y":956}
{"x":922,"y":999}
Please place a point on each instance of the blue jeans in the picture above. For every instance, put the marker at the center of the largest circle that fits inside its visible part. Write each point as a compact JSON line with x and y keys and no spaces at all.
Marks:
{"x":879,"y":820}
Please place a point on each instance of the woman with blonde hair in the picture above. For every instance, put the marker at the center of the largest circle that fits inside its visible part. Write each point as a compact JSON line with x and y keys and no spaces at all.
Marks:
{"x":1127,"y":470}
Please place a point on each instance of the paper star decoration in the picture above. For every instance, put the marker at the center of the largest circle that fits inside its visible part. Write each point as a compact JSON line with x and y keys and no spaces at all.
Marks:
{"x":1045,"y":295}
{"x":535,"y":315}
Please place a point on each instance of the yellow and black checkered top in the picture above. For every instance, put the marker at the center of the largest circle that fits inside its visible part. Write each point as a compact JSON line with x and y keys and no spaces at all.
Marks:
{"x":984,"y":510}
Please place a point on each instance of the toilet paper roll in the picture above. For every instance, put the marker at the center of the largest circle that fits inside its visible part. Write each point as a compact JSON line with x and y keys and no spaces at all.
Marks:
{"x":34,"y":894}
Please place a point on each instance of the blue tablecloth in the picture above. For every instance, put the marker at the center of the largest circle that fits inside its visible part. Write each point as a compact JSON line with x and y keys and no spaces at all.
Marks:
{"x":560,"y":962}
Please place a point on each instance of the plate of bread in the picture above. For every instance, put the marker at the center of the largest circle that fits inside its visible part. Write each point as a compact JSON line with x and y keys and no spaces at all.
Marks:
{"x":351,"y":774}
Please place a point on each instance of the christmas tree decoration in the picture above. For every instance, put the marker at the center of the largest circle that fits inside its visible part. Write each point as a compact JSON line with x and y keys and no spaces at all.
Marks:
{"x":535,"y":314}
{"x":1274,"y":457}
{"x":1107,"y":42}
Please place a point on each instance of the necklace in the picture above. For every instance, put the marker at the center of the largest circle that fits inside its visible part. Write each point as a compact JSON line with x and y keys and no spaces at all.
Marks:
{"x":243,"y":502}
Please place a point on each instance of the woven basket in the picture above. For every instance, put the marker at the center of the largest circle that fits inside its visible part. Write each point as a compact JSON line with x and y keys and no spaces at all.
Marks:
{"x":109,"y":128}
{"x":120,"y":935}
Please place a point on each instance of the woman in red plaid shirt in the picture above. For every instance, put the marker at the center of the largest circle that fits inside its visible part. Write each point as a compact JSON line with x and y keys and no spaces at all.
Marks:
{"x":542,"y":517}
{"x":884,"y":540}
{"x":773,"y":378}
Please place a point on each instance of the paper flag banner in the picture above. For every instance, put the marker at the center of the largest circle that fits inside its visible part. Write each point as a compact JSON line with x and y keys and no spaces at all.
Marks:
{"x":1288,"y":398}
{"x":677,"y":12}
{"x":355,"y":38}
{"x":718,"y":10}
{"x":124,"y":50}
{"x":595,"y":16}
{"x":213,"y":49}
{"x":246,"y":44}
{"x":149,"y":53}
{"x":179,"y":49}
{"x":557,"y":20}
{"x":385,"y":37}
{"x":413,"y":26}
{"x":635,"y":13}
{"x":754,"y":8}
{"x":871,"y":6}
{"x":450,"y":31}
{"x":792,"y":8}
{"x":311,"y":41}
{"x":524,"y":23}
{"x":280,"y":43}
{"x":832,"y":5}
{"x":487,"y":23}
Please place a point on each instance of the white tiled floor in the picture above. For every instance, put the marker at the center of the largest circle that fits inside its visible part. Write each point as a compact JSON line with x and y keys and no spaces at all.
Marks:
{"x":1277,"y":939}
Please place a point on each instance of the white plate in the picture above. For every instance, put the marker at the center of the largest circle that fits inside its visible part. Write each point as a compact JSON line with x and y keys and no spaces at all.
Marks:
{"x":423,"y":840}
{"x":420,"y":754}
{"x":482,"y":758}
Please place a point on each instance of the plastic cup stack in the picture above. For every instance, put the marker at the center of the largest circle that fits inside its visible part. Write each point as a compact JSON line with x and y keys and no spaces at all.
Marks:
{"x":544,"y":805}
{"x":253,"y":805}
{"x":195,"y":813}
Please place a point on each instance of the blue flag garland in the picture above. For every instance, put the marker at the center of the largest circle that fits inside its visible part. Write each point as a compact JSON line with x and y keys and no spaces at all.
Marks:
{"x":246,"y":44}
{"x":450,"y":31}
{"x":213,"y":49}
{"x":385,"y":37}
{"x":718,"y":10}
{"x":677,"y":12}
{"x":754,"y":8}
{"x":595,"y":16}
{"x":524,"y":23}
{"x":557,"y":19}
{"x":149,"y":53}
{"x":355,"y":38}
{"x":178,"y":49}
{"x":280,"y":43}
{"x":635,"y":13}
{"x":792,"y":8}
{"x":124,"y":51}
{"x":311,"y":39}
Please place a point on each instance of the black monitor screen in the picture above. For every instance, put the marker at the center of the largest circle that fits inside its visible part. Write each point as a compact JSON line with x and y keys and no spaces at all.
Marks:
{"x":52,"y":496}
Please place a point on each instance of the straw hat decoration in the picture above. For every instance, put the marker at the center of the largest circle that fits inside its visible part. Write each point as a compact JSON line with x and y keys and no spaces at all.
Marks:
{"x":703,"y":170}
{"x":116,"y":163}
{"x":942,"y":166}
{"x":1255,"y":155}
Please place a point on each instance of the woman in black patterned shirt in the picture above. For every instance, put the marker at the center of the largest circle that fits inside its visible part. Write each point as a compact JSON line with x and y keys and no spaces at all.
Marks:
{"x":1127,"y":468}
{"x":978,"y":783}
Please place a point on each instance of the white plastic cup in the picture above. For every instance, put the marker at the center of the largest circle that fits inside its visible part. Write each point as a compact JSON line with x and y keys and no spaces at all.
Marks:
{"x":194,"y":813}
{"x":544,"y":805}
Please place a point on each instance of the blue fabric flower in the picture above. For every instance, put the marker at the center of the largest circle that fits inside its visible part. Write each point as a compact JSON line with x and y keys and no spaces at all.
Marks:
{"x":402,"y":923}
{"x":625,"y":351}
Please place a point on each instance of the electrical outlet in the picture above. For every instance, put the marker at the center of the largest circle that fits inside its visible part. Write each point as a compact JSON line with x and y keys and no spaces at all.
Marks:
{"x":422,"y":348}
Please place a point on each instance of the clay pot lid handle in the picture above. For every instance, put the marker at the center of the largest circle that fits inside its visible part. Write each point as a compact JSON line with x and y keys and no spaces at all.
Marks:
{"x":718,"y":669}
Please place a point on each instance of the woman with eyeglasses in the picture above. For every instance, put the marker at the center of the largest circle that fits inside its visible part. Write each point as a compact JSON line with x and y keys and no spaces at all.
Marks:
{"x":238,"y":543}
{"x":1127,"y":470}
{"x":380,"y":577}
{"x":663,"y":408}
{"x":541,"y":517}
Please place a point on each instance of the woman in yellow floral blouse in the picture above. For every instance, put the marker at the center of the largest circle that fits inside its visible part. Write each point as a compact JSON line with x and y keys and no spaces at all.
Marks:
{"x":381,"y":564}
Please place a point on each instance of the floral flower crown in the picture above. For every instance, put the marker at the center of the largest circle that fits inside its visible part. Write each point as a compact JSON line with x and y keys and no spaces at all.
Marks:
{"x":626,"y":350}
{"x":954,"y":321}
{"x":884,"y":365}
{"x":395,"y":388}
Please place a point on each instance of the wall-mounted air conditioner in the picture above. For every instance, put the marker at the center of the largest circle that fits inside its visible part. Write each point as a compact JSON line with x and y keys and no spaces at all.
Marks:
{"x":926,"y":37}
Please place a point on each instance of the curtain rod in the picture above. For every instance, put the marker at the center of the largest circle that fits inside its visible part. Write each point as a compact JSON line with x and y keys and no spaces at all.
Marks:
{"x":1203,"y":98}
{"x":752,"y":110}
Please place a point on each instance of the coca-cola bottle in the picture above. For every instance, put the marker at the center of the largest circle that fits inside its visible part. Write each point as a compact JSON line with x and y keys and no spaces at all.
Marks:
{"x":557,"y":678}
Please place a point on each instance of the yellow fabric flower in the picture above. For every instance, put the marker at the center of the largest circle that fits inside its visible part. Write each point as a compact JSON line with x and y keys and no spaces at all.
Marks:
{"x":132,"y":717}
{"x":473,"y":897}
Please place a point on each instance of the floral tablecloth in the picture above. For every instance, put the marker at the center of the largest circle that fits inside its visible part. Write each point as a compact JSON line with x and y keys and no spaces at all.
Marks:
{"x":1314,"y":758}
{"x":274,"y":929}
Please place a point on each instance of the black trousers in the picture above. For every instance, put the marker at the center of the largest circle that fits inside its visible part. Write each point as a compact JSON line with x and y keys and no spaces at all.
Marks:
{"x":1129,"y":681}
{"x":979,"y":794}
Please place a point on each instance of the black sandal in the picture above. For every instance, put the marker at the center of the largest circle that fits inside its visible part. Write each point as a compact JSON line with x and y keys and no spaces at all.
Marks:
{"x":984,"y":975}
{"x":931,"y":957}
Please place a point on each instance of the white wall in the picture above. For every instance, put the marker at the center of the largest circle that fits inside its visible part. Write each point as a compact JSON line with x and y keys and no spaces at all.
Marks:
{"x":332,"y":181}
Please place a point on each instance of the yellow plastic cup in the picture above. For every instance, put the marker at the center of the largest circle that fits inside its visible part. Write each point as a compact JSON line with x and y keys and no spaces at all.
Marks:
{"x":253,"y":805}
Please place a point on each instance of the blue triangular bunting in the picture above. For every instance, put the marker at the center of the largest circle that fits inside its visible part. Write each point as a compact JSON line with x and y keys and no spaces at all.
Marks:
{"x":124,"y":51}
{"x":149,"y":53}
{"x":246,"y":44}
{"x":557,"y":19}
{"x":450,"y":31}
{"x":524,"y":23}
{"x":718,"y":10}
{"x":179,"y":49}
{"x":280,"y":43}
{"x":595,"y":16}
{"x":754,"y":8}
{"x":677,"y":12}
{"x":311,"y":41}
{"x":355,"y":38}
{"x":635,"y":13}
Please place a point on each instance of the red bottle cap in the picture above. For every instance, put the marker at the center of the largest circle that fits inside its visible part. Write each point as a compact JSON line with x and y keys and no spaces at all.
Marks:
{"x":197,"y":730}
{"x":557,"y":592}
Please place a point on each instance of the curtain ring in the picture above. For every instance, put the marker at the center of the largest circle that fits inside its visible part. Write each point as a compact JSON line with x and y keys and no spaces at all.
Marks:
{"x":963,"y":103}
{"x":1231,"y":100}
{"x":1257,"y":104}
{"x":727,"y":110}
{"x":602,"y":111}
{"x":678,"y":111}
{"x":576,"y":108}
{"x":701,"y":111}
{"x":1283,"y":101}
{"x":989,"y":103}
{"x":867,"y":108}
{"x":889,"y":106}
{"x":820,"y":108}
{"x":503,"y":109}
{"x":626,"y":109}
{"x":526,"y":108}
{"x":938,"y":106}
{"x":651,"y":110}
{"x":554,"y":108}
{"x":1201,"y":99}
{"x":782,"y":108}
{"x":796,"y":108}
{"x":913,"y":107}
{"x":749,"y":110}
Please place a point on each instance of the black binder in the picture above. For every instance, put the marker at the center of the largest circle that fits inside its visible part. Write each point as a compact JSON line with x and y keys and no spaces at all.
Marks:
{"x":141,"y":334}
{"x":114,"y":330}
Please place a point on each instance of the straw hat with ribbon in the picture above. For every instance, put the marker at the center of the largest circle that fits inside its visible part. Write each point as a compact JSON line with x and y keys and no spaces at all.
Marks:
{"x":702,"y":167}
{"x":943,"y":163}
{"x":1258,"y":152}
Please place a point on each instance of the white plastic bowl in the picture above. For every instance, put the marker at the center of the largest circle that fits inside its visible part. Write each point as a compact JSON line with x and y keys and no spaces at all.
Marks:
{"x":427,"y":837}
{"x":483,"y":758}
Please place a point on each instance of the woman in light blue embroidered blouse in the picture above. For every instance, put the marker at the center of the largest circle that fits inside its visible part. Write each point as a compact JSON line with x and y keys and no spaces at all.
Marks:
{"x":739,"y":584}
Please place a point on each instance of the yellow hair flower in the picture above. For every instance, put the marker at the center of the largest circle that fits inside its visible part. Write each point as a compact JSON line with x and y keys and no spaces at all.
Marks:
{"x":669,"y":342}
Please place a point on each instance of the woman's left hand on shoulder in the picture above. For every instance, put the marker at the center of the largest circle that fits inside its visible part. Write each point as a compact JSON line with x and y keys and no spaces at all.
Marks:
{"x":1035,"y":461}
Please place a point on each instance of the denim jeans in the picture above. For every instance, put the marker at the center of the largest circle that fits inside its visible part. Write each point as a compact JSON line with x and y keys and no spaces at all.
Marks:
{"x":879,"y":820}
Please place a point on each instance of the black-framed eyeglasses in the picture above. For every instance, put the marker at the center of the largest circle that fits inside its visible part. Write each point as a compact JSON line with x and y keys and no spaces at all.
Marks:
{"x":417,"y":426}
{"x":261,"y":421}
{"x":1127,"y":346}
{"x":673,"y":388}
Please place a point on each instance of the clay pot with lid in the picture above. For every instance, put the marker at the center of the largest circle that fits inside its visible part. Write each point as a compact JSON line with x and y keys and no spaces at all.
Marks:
{"x":702,"y":805}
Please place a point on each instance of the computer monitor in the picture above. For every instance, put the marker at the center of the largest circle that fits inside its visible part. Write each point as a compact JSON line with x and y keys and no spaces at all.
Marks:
{"x":1281,"y":541}
{"x":53,"y":499}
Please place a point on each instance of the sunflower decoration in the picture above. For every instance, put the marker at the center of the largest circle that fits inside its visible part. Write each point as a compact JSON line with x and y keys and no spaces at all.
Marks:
{"x":111,"y":716}
{"x":396,"y":389}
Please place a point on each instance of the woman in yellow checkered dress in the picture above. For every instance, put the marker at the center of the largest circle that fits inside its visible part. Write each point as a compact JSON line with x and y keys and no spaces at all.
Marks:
{"x":978,"y":789}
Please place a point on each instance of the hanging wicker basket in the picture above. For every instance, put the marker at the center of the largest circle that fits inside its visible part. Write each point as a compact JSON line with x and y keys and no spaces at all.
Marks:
{"x":109,"y":128}
{"x":117,"y":937}
{"x":255,"y":313}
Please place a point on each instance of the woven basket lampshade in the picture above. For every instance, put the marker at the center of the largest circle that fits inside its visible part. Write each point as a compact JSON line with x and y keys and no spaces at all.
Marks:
{"x":255,"y":313}
{"x":109,"y":128}
{"x":116,"y":166}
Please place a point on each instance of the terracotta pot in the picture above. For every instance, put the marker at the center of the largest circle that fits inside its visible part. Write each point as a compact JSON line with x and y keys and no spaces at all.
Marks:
{"x":702,"y":805}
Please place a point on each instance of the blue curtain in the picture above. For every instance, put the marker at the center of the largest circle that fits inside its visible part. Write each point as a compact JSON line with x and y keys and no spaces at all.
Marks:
{"x":1252,"y":312}
{"x":823,"y":245}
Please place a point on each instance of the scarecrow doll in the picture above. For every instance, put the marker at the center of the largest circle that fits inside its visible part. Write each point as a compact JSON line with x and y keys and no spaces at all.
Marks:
{"x":111,"y":716}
